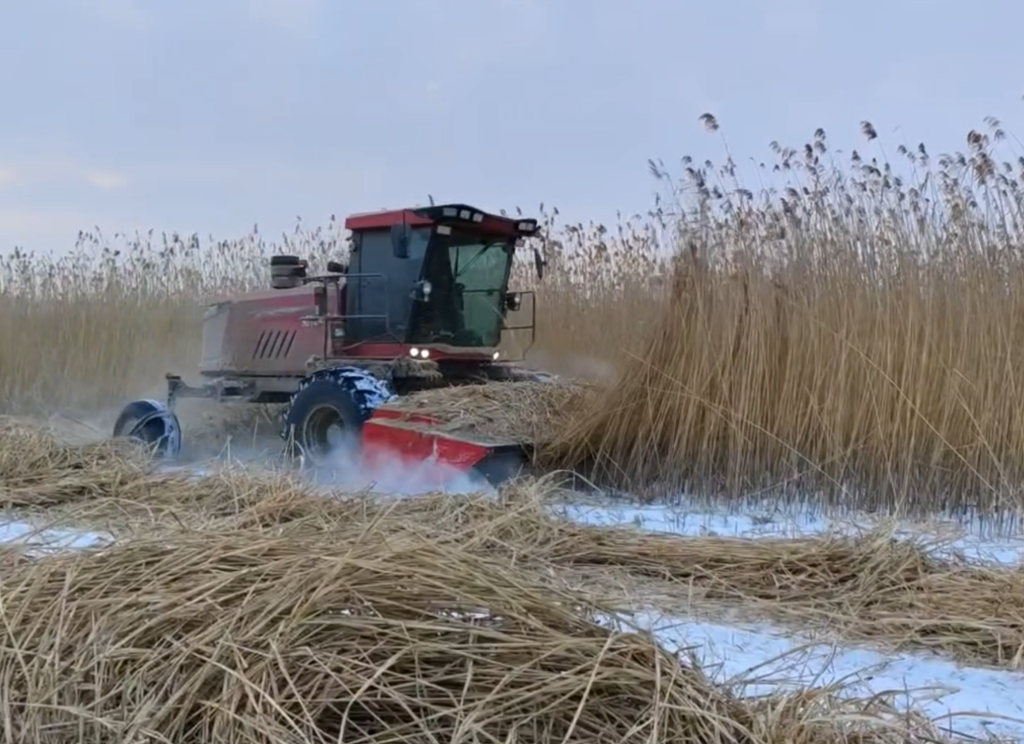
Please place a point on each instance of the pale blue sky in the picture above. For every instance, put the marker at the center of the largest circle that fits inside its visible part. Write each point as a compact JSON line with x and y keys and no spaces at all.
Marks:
{"x":210,"y":115}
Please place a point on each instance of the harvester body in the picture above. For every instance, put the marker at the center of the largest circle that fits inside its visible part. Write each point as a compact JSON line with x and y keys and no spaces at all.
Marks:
{"x":422,"y":302}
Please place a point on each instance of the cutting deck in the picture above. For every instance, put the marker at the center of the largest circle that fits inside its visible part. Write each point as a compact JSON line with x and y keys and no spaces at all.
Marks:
{"x":492,"y":429}
{"x":393,"y":433}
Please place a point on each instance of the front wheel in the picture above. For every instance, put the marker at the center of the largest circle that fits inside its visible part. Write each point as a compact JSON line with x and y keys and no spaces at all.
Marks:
{"x":323,"y":423}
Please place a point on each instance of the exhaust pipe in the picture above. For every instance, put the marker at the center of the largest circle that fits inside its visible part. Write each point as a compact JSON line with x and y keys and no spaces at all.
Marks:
{"x":287,"y":272}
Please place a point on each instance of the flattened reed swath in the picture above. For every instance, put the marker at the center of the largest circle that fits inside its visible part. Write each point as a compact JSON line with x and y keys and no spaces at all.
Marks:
{"x":115,"y":484}
{"x":39,"y":470}
{"x":858,"y":335}
{"x":214,"y":637}
{"x":902,"y":593}
{"x":870,"y":587}
{"x":907,"y":593}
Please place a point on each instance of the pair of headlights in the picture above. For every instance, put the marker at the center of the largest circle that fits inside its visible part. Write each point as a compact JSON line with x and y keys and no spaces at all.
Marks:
{"x":417,"y":353}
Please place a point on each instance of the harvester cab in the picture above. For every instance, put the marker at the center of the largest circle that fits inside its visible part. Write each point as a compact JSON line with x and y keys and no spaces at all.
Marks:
{"x":434,"y":281}
{"x":421,"y":302}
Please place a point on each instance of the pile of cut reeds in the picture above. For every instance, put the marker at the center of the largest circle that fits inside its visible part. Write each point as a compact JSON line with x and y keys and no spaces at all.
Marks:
{"x":903,"y":593}
{"x":389,"y":637}
{"x":39,"y":469}
{"x":519,"y":410}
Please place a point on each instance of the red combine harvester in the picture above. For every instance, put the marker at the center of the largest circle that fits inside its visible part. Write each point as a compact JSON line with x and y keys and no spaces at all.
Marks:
{"x":422,"y":303}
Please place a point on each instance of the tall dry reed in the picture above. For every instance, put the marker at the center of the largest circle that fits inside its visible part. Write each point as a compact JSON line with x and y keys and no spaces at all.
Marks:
{"x":857,"y":335}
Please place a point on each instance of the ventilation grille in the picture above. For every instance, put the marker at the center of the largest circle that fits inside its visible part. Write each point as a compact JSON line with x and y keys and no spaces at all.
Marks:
{"x":273,"y":344}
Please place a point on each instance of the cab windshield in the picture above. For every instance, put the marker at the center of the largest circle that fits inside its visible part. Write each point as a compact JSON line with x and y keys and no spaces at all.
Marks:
{"x":468,"y":277}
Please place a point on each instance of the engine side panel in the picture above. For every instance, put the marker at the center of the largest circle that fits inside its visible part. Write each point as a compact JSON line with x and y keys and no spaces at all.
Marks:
{"x":263,"y":333}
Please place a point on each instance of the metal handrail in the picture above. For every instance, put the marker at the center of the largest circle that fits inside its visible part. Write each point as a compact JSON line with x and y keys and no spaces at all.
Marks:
{"x":328,"y":319}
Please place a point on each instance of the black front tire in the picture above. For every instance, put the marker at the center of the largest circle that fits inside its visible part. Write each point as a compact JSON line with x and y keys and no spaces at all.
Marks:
{"x":323,"y":423}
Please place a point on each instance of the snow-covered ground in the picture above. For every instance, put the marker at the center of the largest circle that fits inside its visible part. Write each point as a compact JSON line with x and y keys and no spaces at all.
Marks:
{"x":962,"y":700}
{"x":965,"y":700}
{"x":972,"y":542}
{"x":48,"y":540}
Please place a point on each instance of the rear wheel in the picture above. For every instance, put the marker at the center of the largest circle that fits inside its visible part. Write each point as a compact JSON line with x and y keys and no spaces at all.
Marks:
{"x":153,"y":423}
{"x":323,"y":422}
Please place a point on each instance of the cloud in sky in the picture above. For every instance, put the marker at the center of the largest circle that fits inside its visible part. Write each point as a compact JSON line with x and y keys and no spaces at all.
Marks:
{"x":107,"y":179}
{"x":300,"y":17}
{"x":29,"y":221}
{"x":46,"y":230}
{"x":222,"y":114}
{"x":127,"y":15}
{"x":44,"y":172}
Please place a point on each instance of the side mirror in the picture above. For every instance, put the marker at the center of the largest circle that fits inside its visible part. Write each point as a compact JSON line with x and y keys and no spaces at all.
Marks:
{"x":421,"y":290}
{"x":513,"y":301}
{"x":336,"y":267}
{"x":400,"y":241}
{"x":539,"y":263}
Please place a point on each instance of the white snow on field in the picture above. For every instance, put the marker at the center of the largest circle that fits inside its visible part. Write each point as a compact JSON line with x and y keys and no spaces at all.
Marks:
{"x":977,"y":702}
{"x":972,"y":543}
{"x":961,"y":700}
{"x":47,"y":540}
{"x":964,"y":700}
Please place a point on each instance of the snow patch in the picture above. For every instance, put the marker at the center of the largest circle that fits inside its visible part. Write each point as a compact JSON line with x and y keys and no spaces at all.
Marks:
{"x":18,"y":533}
{"x":695,"y":521}
{"x":762,"y":658}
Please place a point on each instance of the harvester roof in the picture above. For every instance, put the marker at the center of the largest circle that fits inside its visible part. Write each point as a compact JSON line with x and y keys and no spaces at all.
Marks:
{"x":443,"y":214}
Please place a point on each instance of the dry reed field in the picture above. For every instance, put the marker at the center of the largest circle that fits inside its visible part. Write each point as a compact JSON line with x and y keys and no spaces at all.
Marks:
{"x":851,"y":328}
